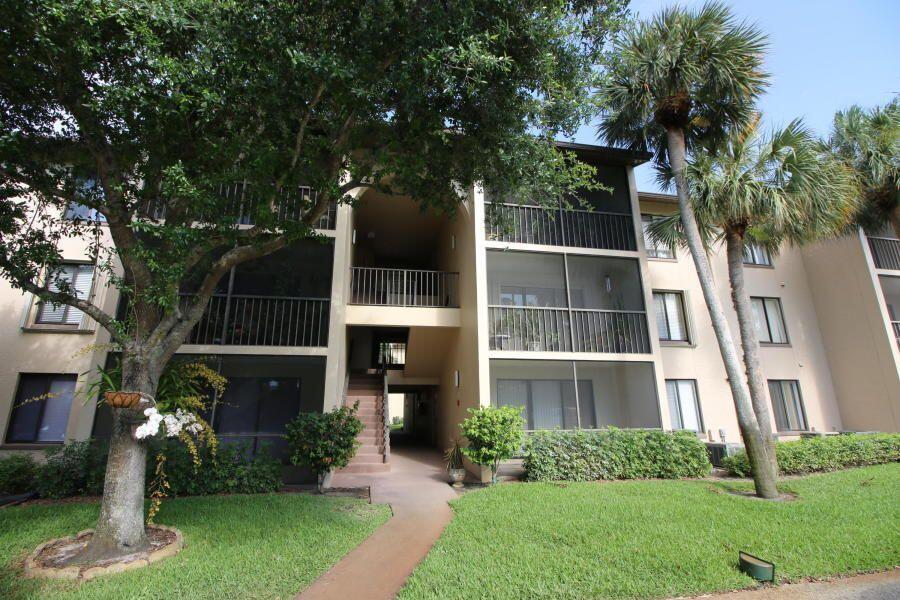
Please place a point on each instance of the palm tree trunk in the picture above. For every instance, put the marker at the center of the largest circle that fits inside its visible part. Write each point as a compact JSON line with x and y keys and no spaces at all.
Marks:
{"x":753,"y":441}
{"x":734,"y":244}
{"x":120,"y":529}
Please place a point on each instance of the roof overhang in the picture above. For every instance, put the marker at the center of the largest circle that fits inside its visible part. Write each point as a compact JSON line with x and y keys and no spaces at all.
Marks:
{"x":606,"y":154}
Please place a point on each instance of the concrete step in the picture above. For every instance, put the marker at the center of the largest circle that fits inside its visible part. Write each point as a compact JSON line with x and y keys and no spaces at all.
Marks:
{"x":368,"y":449}
{"x":367,"y":459}
{"x":367,"y":468}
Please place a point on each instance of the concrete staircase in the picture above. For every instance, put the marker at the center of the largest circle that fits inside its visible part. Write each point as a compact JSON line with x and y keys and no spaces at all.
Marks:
{"x":368,"y":390}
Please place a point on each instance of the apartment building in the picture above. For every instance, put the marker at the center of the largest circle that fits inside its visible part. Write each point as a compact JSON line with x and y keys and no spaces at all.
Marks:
{"x":569,"y":314}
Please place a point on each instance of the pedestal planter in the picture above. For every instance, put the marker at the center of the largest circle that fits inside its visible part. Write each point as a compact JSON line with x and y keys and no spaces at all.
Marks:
{"x":457,"y":476}
{"x":50,"y":560}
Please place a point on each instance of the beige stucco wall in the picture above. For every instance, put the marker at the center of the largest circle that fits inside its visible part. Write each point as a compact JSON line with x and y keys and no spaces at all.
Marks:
{"x":27,"y":349}
{"x":803,"y":359}
{"x":862,"y":351}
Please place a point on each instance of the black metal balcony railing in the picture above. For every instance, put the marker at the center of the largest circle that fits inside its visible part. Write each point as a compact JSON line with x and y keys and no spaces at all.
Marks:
{"x":262,"y":321}
{"x":404,"y":287}
{"x":243,"y":204}
{"x":392,"y":355}
{"x":885,"y":252}
{"x":560,"y":227}
{"x":520,"y":328}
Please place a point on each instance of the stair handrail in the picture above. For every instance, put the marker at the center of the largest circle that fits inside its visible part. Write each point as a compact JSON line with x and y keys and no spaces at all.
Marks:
{"x":386,"y":416}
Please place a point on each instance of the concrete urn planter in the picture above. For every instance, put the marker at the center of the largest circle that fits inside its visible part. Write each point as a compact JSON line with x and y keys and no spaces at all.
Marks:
{"x":457,"y":476}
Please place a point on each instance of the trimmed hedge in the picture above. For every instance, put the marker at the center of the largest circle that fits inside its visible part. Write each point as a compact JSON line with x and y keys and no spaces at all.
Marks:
{"x":78,"y":469}
{"x":829,"y":453}
{"x":17,"y":474}
{"x":614,"y":454}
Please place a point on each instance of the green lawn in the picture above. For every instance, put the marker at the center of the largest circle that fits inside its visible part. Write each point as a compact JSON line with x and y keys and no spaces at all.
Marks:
{"x":649,"y":539}
{"x":265,"y":546}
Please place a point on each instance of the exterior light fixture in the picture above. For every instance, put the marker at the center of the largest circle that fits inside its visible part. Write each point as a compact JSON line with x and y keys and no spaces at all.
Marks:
{"x":456,"y":378}
{"x":608,"y":285}
{"x":755,"y":567}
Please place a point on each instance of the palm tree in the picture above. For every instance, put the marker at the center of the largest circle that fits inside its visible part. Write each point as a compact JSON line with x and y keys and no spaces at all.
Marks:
{"x":766,"y":190}
{"x":870,"y":142}
{"x":679,"y":79}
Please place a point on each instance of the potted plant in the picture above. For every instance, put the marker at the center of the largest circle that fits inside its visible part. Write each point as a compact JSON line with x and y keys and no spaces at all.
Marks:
{"x":455,"y":466}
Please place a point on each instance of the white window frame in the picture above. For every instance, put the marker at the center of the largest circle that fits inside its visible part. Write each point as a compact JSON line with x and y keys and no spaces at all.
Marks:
{"x":796,"y":397}
{"x":678,"y":420}
{"x":684,"y":313}
{"x":755,"y":255}
{"x":766,"y":337}
{"x":654,"y":250}
{"x":41,"y":323}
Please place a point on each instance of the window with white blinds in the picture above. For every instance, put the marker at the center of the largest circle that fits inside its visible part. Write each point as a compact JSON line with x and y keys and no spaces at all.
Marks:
{"x":79,"y":279}
{"x":684,"y":405}
{"x":754,"y":254}
{"x":769,"y":320}
{"x":670,"y":317}
{"x":787,"y":405}
{"x":654,"y":249}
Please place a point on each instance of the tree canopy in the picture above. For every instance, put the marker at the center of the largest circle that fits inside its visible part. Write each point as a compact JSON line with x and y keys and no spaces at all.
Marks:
{"x":143,"y":110}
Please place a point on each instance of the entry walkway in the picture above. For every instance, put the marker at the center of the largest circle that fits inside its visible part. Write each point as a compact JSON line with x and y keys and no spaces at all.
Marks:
{"x":417,"y":490}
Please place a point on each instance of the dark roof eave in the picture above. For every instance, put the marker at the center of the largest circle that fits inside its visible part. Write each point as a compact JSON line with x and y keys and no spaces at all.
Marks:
{"x":606,"y":154}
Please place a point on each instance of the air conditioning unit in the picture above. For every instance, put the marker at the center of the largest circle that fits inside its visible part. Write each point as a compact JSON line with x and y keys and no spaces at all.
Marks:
{"x":719,"y":450}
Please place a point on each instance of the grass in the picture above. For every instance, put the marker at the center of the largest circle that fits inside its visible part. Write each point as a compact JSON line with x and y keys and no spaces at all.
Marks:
{"x":654,"y":539}
{"x":260,"y":546}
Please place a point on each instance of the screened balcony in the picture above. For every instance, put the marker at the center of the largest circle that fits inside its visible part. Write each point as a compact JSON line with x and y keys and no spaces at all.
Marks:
{"x":279,"y":300}
{"x":245,"y":202}
{"x":529,"y":224}
{"x":576,"y":394}
{"x":885,"y":252}
{"x":557,"y":303}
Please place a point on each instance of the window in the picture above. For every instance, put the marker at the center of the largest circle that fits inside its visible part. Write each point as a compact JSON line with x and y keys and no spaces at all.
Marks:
{"x":684,"y":406}
{"x":769,"y":320}
{"x":787,"y":405}
{"x":670,"y":317}
{"x":654,"y":250}
{"x":41,"y":409}
{"x":256,"y":410}
{"x":78,"y":278}
{"x":754,"y":254}
{"x":549,"y":403}
{"x":80,"y":212}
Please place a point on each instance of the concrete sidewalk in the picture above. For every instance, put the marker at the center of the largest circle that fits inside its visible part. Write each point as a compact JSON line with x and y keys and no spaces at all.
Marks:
{"x":877,"y":586}
{"x":417,"y":490}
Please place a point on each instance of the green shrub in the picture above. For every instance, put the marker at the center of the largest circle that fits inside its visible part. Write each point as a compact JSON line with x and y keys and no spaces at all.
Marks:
{"x":614,"y":454}
{"x":72,"y":469}
{"x":829,"y":453}
{"x":17,"y":474}
{"x":232,"y":471}
{"x":494,"y":434}
{"x":324,"y":441}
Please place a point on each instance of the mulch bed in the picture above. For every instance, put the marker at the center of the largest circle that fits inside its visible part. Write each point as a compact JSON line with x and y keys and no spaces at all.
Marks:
{"x":57,"y":554}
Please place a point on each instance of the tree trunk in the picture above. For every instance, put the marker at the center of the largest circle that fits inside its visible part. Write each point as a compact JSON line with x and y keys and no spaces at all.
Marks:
{"x":734,"y":244}
{"x":120,"y":528}
{"x":753,"y":442}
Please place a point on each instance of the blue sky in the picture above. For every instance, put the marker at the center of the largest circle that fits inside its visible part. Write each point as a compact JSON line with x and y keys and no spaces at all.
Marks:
{"x":823,"y":56}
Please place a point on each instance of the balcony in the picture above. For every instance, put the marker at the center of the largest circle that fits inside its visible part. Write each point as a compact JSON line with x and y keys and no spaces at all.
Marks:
{"x":531,"y":329}
{"x":244,"y":203}
{"x":896,"y":326}
{"x":404,"y":287}
{"x":242,"y":320}
{"x":527,"y":224}
{"x":885,"y":252}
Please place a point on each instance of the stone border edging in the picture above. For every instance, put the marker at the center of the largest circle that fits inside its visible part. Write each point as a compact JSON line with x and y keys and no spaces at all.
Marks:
{"x":33,"y":569}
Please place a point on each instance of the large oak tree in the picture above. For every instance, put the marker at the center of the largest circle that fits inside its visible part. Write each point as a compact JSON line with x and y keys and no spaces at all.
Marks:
{"x":144,"y":110}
